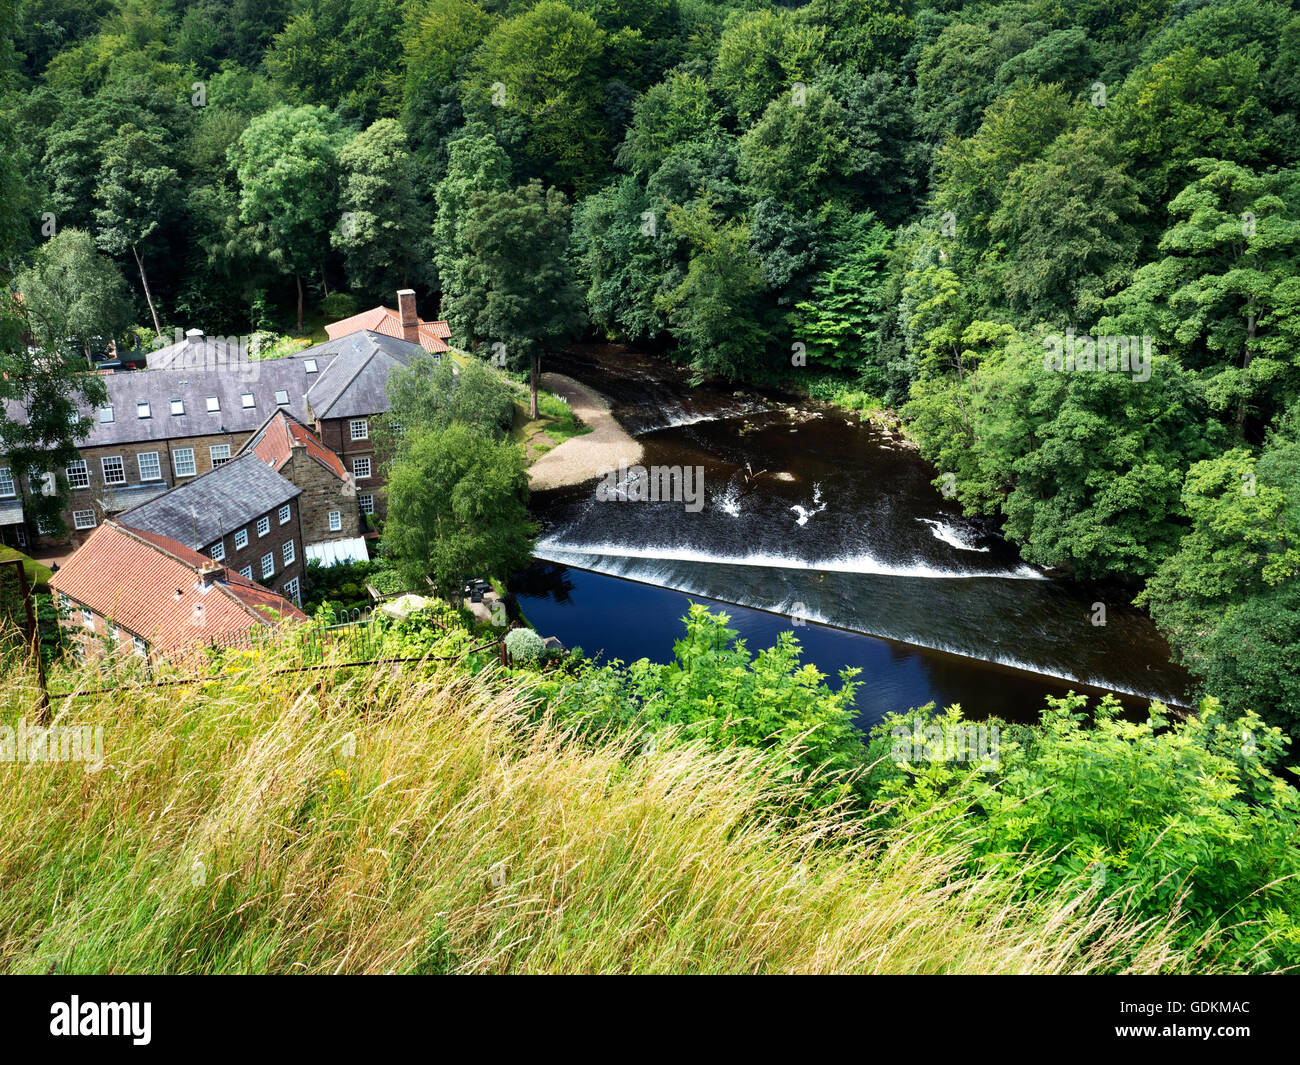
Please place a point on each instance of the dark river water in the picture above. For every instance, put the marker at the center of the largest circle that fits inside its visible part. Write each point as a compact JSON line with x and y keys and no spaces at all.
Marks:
{"x":816,"y":521}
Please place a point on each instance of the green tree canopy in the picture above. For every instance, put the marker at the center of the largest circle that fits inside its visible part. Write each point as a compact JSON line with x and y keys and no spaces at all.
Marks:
{"x":457,"y":508}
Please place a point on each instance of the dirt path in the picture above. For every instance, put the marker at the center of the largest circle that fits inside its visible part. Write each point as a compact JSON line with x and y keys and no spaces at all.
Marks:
{"x":581,"y":458}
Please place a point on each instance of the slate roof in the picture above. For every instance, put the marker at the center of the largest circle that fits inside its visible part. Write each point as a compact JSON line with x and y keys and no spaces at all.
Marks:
{"x":201,"y":353}
{"x":150,"y":586}
{"x":200,"y":512}
{"x":355,"y":384}
{"x":11,"y":512}
{"x":433,"y":335}
{"x":262,"y":380}
{"x":273,"y":444}
{"x":350,"y":380}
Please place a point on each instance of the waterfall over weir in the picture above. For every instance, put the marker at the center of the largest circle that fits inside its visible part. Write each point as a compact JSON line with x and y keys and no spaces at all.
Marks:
{"x":816,"y":519}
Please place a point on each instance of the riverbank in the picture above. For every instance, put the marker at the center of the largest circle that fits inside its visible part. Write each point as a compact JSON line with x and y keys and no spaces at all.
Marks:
{"x":581,"y":458}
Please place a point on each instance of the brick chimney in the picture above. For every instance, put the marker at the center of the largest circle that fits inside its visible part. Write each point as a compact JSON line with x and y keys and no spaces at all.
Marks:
{"x":406,"y":311}
{"x":210,"y":573}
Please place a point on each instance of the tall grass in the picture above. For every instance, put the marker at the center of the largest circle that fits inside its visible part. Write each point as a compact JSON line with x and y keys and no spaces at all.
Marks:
{"x":408,"y":819}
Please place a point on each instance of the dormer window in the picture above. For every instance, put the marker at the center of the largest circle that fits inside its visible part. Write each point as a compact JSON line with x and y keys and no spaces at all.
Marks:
{"x":214,"y":404}
{"x":247,"y":400}
{"x":106,"y":413}
{"x":178,"y":406}
{"x":142,"y":410}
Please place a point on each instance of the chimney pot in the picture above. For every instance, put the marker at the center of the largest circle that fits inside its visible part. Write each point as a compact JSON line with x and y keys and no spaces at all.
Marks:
{"x":406,"y":311}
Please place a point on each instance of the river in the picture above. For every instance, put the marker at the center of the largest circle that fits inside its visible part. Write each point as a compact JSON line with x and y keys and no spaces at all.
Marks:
{"x":819,"y":521}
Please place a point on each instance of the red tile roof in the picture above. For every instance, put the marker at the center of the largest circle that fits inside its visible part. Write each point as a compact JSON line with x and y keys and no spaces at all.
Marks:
{"x":433,"y":335}
{"x":274,"y":444}
{"x":149,"y":585}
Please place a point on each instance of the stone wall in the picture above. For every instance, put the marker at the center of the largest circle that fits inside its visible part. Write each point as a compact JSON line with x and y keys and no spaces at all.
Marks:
{"x":322,"y":493}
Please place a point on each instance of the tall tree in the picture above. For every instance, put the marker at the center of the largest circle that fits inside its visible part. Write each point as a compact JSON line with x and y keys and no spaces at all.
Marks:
{"x":1223,"y":295}
{"x":139,"y":194}
{"x":476,"y":164}
{"x":518,"y":240}
{"x":286,"y":161}
{"x":385,"y":224}
{"x":72,"y":292}
{"x":715,"y":308}
{"x":457,"y":508}
{"x":1229,"y":598}
{"x":542,"y":69}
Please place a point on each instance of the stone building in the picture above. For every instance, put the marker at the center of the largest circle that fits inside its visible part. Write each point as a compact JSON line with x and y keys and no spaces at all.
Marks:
{"x":332,"y":525}
{"x":130,"y":592}
{"x":242,"y":514}
{"x":163,"y":427}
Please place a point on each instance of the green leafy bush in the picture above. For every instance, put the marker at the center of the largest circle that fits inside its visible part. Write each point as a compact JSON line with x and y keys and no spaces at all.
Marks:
{"x":715,"y":691}
{"x":1181,"y":815}
{"x":524,"y":646}
{"x":339,"y":305}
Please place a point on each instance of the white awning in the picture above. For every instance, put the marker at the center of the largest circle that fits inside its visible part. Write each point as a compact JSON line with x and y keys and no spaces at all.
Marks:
{"x":11,"y":512}
{"x":328,"y":552}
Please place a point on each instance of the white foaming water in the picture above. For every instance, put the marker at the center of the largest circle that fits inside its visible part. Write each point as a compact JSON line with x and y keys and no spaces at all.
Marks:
{"x":951,"y":535}
{"x":666,"y":577}
{"x":729,"y":501}
{"x":818,"y":506}
{"x":580,"y":555}
{"x":682,"y":417}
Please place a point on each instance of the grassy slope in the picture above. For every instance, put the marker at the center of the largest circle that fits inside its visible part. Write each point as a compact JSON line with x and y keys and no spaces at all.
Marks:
{"x":229,"y":830}
{"x":37,"y":575}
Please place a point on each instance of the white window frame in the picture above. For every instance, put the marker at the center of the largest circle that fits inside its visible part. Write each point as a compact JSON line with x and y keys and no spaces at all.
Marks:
{"x":106,"y":413}
{"x":288,"y":553}
{"x":241,"y":539}
{"x":285,"y":514}
{"x":360,"y":463}
{"x":8,"y":486}
{"x":366,"y":501}
{"x":263,"y":526}
{"x":336,"y":521}
{"x":120,"y":468}
{"x":138,"y":645}
{"x":87,"y":618}
{"x":268,"y":564}
{"x":218,"y":551}
{"x":77,"y":473}
{"x":359,"y":429}
{"x":80,"y":519}
{"x":218,"y":459}
{"x":156,"y":466}
{"x":247,"y":571}
{"x":192,"y":463}
{"x":291,"y":591}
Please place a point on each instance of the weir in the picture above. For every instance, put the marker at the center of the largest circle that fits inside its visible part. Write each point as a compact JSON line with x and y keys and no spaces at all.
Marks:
{"x":854,"y":534}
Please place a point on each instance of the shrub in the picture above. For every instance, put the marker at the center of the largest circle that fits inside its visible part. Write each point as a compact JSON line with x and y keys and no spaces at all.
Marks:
{"x":1161,"y":816}
{"x":339,"y":305}
{"x":524,"y":646}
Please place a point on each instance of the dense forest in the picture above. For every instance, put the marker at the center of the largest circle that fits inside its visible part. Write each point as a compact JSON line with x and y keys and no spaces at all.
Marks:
{"x":1060,"y":238}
